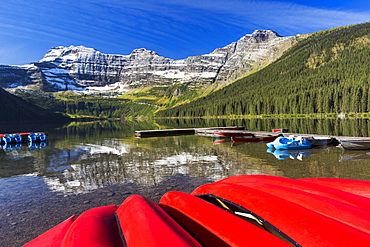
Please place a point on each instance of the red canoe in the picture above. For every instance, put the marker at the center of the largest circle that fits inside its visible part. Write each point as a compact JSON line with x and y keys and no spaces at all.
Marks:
{"x":144,"y":223}
{"x":214,"y":226}
{"x":233,"y":133}
{"x":254,"y":139}
{"x":244,"y":210}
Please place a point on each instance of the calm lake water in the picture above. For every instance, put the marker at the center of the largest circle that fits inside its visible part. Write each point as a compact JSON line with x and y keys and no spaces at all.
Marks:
{"x":81,"y":158}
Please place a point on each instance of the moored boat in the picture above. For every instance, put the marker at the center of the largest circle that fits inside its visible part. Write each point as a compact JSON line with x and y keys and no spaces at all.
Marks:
{"x":289,"y":143}
{"x":280,"y":130}
{"x":36,"y":136}
{"x":355,"y":144}
{"x":320,"y":140}
{"x":22,"y":137}
{"x":254,"y":138}
{"x":232,"y":133}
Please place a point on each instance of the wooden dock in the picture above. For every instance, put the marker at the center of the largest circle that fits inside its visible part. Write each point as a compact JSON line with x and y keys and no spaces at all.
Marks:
{"x":176,"y":132}
{"x":211,"y":131}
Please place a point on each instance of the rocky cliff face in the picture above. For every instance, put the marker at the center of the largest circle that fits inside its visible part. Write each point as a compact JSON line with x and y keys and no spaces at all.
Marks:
{"x":76,"y":68}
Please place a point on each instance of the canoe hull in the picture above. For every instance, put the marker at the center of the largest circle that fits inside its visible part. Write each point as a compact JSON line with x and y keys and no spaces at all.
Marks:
{"x":254,"y":139}
{"x":231,"y":133}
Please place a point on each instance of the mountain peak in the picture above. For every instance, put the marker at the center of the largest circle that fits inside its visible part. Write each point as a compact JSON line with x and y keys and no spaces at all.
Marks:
{"x":143,"y":51}
{"x":70,"y":52}
{"x":259,"y":36}
{"x":269,"y":33}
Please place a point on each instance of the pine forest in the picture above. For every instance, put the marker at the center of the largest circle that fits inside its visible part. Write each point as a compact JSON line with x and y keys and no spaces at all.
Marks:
{"x":327,"y":72}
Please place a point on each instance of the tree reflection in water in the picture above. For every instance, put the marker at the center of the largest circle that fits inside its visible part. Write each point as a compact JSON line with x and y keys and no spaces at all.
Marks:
{"x":82,"y":158}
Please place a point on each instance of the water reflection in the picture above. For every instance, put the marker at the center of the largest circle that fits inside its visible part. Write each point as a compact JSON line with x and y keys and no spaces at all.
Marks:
{"x":88,"y":166}
{"x":292,"y":154}
{"x":82,"y":158}
{"x":18,"y":147}
{"x":355,"y":155}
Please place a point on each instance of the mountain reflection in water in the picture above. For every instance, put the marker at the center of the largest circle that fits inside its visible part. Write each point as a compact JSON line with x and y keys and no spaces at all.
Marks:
{"x":80,"y":159}
{"x":87,"y":166}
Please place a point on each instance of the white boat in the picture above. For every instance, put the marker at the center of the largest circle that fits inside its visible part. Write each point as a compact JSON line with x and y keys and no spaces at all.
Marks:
{"x":355,"y":144}
{"x":320,"y":140}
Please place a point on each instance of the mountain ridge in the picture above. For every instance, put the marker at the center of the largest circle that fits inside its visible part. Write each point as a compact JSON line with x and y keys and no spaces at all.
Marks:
{"x":78,"y":67}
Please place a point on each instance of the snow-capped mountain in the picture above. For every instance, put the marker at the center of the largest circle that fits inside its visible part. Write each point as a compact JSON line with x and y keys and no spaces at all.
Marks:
{"x":78,"y":67}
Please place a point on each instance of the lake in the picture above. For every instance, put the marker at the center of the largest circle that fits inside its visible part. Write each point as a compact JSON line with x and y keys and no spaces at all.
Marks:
{"x":89,"y":164}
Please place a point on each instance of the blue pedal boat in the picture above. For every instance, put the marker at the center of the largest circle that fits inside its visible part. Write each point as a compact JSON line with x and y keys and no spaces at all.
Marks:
{"x":289,"y":143}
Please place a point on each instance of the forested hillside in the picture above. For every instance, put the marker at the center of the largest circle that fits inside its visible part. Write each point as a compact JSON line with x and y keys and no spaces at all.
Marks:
{"x":80,"y":106}
{"x":17,"y":110}
{"x":328,"y":72}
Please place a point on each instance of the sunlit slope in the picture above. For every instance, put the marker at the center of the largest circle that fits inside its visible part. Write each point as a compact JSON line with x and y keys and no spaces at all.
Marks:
{"x":328,"y":72}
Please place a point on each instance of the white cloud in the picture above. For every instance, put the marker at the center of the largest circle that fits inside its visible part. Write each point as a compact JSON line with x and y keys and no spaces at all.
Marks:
{"x":277,"y":15}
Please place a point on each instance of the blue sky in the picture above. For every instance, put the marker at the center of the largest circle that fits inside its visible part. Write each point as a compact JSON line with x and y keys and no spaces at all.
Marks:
{"x":173,"y":28}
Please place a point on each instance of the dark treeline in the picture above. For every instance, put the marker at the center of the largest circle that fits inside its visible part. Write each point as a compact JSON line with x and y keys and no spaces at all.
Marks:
{"x":88,"y":106}
{"x":328,"y":72}
{"x":106,"y":108}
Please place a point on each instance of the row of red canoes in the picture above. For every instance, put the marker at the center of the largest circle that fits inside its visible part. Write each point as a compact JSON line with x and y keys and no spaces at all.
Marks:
{"x":245,"y":210}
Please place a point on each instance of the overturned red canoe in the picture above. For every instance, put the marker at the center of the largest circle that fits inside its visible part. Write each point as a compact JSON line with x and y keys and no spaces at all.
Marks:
{"x":144,"y":223}
{"x":215,"y":226}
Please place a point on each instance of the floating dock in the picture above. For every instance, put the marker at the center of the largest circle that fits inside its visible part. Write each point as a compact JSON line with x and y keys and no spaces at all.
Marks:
{"x":177,"y":132}
{"x":211,"y":131}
